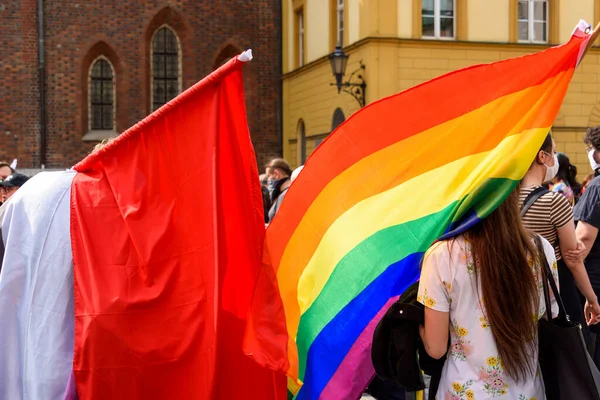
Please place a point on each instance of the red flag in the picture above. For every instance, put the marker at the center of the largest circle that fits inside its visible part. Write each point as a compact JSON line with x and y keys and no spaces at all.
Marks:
{"x":167,"y":230}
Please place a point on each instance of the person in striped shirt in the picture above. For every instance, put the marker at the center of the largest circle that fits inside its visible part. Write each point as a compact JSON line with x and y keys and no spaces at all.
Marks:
{"x":551,"y":216}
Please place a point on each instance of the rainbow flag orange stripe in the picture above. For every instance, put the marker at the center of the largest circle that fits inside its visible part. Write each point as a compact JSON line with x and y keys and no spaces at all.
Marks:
{"x":396,"y":176}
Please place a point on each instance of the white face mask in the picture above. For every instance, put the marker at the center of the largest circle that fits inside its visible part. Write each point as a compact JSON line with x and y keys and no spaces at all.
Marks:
{"x":551,"y":171}
{"x":593,"y":162}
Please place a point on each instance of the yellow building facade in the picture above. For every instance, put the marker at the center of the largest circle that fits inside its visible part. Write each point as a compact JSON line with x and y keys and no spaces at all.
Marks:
{"x":403,"y":43}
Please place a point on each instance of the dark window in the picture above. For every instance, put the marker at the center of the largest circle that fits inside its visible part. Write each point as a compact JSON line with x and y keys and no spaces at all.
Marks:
{"x":300,"y":33}
{"x":338,"y":118}
{"x":301,"y":142}
{"x":165,"y":67}
{"x":102,"y":96}
{"x":340,"y":23}
{"x":225,"y":55}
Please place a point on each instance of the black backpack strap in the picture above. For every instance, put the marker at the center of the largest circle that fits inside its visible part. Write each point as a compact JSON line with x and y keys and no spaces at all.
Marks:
{"x":532,"y":198}
{"x":547,"y":277}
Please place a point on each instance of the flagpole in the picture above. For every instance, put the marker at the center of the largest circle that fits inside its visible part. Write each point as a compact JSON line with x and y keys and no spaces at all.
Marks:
{"x":592,"y":40}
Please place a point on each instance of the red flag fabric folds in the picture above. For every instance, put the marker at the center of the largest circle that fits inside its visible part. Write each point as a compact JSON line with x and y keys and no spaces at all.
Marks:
{"x":167,"y":230}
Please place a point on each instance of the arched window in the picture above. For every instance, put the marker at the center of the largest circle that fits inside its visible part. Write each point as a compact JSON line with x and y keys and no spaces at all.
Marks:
{"x":102,"y":96}
{"x":226,"y":54}
{"x":166,"y":71}
{"x":338,"y":118}
{"x":301,"y":133}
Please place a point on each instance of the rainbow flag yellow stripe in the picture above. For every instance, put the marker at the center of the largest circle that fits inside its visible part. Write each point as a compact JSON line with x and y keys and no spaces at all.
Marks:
{"x":396,"y":176}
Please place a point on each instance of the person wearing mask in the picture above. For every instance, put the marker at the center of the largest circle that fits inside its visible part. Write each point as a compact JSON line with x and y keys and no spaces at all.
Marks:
{"x":473,"y":287}
{"x":551,"y":216}
{"x":587,"y":215}
{"x":278,"y":173}
{"x":266,"y":197}
{"x":11,"y":184}
{"x":565,"y":181}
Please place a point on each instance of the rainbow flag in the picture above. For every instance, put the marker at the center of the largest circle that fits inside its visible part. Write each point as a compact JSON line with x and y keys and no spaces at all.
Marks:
{"x":396,"y":176}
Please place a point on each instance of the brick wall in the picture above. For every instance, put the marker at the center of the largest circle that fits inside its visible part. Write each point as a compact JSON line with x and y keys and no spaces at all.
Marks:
{"x":79,"y":31}
{"x":19,"y":110}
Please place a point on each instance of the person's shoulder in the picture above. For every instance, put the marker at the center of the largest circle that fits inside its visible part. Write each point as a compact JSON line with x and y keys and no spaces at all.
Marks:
{"x":592,"y":191}
{"x":446,"y":247}
{"x":595,"y":183}
{"x":545,"y":196}
{"x":436,"y":248}
{"x":557,"y":197}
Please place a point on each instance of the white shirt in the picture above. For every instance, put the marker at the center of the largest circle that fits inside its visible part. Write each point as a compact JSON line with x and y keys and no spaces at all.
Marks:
{"x":473,"y":369}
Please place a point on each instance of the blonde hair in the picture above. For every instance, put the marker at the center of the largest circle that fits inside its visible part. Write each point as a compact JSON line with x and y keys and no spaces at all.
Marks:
{"x":102,"y":144}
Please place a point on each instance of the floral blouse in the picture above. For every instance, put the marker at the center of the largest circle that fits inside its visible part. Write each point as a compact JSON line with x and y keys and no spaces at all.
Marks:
{"x":473,"y":369}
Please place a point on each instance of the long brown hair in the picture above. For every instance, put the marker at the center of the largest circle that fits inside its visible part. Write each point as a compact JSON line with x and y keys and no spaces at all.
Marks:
{"x":502,"y":250}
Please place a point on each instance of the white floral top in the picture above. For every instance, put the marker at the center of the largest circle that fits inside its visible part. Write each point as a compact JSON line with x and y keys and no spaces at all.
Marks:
{"x":473,"y":369}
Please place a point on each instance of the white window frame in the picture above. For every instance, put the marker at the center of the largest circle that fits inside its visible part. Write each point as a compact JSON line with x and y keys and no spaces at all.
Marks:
{"x":179,"y":62}
{"x":437,"y":22}
{"x":531,"y":21}
{"x":300,"y":16}
{"x":340,"y":17}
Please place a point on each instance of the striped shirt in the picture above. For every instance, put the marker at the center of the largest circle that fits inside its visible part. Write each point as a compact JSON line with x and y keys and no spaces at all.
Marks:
{"x":549,"y":213}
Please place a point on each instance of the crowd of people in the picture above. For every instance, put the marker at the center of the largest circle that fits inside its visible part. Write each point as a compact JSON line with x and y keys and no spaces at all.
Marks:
{"x":275,"y":182}
{"x":495,"y":269}
{"x":482,"y":291}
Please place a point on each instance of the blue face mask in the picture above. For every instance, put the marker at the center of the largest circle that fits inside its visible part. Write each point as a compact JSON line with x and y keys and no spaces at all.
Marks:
{"x":271,"y":185}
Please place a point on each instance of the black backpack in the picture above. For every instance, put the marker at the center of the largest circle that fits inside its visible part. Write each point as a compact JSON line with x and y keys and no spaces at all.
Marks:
{"x":397,"y":352}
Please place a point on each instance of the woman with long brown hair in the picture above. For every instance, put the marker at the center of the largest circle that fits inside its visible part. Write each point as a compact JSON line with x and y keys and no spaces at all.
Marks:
{"x":484,"y":289}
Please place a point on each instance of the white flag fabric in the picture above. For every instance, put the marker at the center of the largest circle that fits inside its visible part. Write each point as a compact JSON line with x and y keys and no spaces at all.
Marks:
{"x":36,"y":290}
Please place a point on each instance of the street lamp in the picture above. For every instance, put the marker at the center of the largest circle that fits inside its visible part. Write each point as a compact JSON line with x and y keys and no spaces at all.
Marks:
{"x":339,"y":61}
